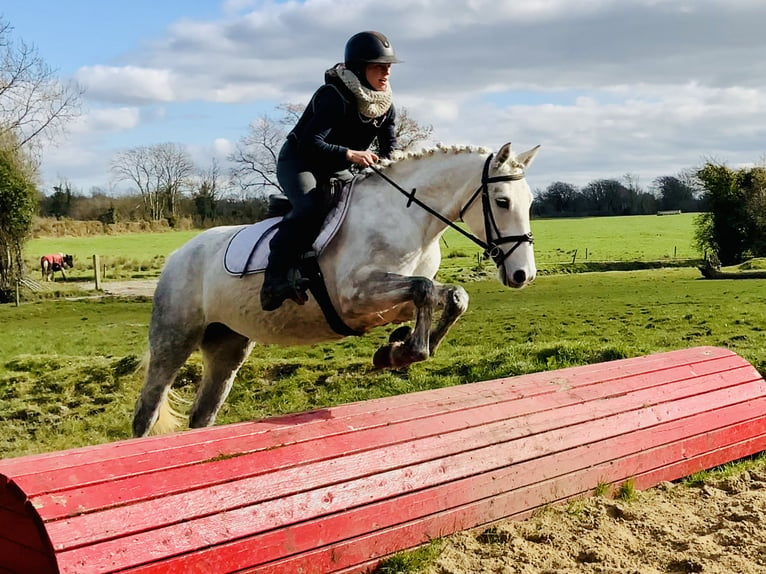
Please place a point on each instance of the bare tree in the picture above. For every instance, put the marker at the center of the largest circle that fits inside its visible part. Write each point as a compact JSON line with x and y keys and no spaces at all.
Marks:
{"x":175,"y":167}
{"x":408,"y":131}
{"x":34,"y":103}
{"x":207,"y":191}
{"x":159,"y":172}
{"x":291,"y":113}
{"x":255,"y":156}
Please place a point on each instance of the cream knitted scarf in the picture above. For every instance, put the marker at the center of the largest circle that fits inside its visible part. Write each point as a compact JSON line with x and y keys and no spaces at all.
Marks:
{"x":371,"y":103}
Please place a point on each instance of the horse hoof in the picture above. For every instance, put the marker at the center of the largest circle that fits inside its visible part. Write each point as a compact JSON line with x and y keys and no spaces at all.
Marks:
{"x":400,"y":334}
{"x":382,"y":357}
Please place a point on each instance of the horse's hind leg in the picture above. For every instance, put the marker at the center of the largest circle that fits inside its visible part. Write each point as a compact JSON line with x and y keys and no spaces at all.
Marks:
{"x":170,"y":344}
{"x":223,"y":352}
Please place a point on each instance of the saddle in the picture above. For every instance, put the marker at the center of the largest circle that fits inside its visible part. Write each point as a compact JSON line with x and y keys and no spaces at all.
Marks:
{"x":248,"y":250}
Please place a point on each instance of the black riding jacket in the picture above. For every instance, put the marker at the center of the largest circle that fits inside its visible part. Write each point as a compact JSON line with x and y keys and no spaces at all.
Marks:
{"x":331,"y":124}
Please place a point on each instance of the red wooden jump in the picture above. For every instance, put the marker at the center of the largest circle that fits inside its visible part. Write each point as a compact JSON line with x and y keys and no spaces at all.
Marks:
{"x":335,"y":490}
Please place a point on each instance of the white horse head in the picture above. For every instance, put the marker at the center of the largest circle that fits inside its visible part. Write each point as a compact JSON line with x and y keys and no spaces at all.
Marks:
{"x":501,"y":216}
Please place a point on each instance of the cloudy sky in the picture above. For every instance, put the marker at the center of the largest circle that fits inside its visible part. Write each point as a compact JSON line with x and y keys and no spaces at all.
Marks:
{"x":608,"y":87}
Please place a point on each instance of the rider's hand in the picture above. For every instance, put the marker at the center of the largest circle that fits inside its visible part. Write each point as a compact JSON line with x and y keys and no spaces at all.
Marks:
{"x":364,"y":158}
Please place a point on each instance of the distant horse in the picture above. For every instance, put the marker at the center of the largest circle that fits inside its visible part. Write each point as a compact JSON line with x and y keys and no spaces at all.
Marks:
{"x":53,"y":262}
{"x":378,"y":269}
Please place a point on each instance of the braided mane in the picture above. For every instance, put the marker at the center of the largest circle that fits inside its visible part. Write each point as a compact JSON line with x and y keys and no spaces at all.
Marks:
{"x":402,"y":156}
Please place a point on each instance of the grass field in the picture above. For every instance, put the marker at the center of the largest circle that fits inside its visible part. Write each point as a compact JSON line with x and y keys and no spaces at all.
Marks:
{"x":558,"y":242}
{"x":67,"y":372}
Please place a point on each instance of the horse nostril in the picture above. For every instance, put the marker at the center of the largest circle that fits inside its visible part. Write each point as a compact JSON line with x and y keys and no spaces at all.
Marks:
{"x":519,"y":276}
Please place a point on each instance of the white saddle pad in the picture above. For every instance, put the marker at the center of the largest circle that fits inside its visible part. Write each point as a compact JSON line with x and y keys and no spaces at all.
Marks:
{"x":248,"y":249}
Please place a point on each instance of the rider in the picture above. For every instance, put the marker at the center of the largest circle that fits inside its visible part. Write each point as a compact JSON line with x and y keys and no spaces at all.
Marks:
{"x":344,"y":116}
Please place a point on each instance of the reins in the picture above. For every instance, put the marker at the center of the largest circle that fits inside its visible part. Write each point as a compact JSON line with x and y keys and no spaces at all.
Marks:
{"x":492,"y":246}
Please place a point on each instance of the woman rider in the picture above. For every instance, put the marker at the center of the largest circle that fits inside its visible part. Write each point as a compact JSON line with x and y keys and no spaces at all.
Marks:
{"x":344,"y":116}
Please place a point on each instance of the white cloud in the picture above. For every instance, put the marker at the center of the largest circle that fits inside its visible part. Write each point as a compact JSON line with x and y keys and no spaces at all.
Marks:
{"x":683,"y":81}
{"x":127,"y":84}
{"x":107,"y":120}
{"x":222,"y":147}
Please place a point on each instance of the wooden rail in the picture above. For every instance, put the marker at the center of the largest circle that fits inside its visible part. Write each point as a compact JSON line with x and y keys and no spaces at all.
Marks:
{"x":335,"y":490}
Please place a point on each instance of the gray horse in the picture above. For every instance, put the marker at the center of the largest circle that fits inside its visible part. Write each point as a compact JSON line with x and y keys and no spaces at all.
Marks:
{"x":378,"y":269}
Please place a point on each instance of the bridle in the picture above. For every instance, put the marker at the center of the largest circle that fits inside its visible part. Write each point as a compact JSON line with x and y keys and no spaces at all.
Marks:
{"x":492,"y":246}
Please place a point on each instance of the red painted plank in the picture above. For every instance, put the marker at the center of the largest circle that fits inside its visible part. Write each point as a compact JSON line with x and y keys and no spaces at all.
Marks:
{"x":173,"y":481}
{"x":574,"y":376}
{"x":352,"y":474}
{"x":293,"y":508}
{"x":21,"y":559}
{"x":346,"y":556}
{"x":349,"y":554}
{"x":358,"y":521}
{"x":164,"y":458}
{"x":21,"y":529}
{"x":188,"y":505}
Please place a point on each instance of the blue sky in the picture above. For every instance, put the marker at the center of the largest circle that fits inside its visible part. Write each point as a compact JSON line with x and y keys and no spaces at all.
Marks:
{"x":76,"y":32}
{"x":608,"y":87}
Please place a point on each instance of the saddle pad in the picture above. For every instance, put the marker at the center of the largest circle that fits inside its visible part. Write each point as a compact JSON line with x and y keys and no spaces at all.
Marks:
{"x":248,"y":249}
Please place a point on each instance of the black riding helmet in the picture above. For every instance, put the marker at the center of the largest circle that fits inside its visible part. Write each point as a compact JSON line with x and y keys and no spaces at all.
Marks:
{"x":369,"y":48}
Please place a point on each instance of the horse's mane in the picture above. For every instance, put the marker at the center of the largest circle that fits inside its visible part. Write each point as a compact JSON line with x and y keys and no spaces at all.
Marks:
{"x":403,"y":156}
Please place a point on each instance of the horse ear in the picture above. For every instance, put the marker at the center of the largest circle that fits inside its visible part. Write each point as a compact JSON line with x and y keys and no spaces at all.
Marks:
{"x":526,"y":158}
{"x":502,"y":156}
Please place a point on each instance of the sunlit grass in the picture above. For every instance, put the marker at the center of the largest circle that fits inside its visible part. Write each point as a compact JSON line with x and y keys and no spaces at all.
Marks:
{"x":560,"y":244}
{"x":559,"y":321}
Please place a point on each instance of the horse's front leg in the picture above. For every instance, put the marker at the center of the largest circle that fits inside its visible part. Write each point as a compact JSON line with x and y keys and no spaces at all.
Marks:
{"x":416,"y":346}
{"x":380,"y":292}
{"x":454,"y":302}
{"x":383,"y":291}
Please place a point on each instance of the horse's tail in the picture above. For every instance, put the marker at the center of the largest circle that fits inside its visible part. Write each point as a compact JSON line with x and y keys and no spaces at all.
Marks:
{"x":169,"y":419}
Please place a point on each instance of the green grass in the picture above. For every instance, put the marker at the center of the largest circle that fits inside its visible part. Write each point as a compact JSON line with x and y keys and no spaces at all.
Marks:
{"x":411,"y":561}
{"x":627,"y":491}
{"x":66,"y":376}
{"x":126,"y":256}
{"x":128,"y":245}
{"x":731,"y":469}
{"x":629,"y":238}
{"x":558,"y":242}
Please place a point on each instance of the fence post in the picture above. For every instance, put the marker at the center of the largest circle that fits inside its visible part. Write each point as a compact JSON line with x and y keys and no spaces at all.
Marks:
{"x":97,"y":272}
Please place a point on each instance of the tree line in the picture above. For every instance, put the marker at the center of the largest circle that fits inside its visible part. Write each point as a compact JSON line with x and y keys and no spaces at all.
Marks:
{"x":620,"y":197}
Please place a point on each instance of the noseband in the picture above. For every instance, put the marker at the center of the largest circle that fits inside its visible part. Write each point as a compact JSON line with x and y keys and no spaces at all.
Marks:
{"x":492,"y":246}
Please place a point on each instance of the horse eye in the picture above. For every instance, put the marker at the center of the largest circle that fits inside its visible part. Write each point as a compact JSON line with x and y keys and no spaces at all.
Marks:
{"x":503,"y":202}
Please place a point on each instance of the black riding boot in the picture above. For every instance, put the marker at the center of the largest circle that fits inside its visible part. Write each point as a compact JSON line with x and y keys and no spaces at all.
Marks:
{"x":281,"y":280}
{"x":295,"y":235}
{"x":281,"y":284}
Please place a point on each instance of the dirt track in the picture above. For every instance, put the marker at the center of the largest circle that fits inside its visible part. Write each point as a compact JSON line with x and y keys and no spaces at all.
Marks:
{"x":144,"y":287}
{"x":716,"y":528}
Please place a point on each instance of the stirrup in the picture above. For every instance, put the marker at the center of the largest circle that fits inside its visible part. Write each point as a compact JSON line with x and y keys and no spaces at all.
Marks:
{"x":299,"y":284}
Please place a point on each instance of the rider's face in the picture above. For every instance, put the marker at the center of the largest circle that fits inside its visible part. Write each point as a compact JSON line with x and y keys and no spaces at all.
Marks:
{"x":377,"y":76}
